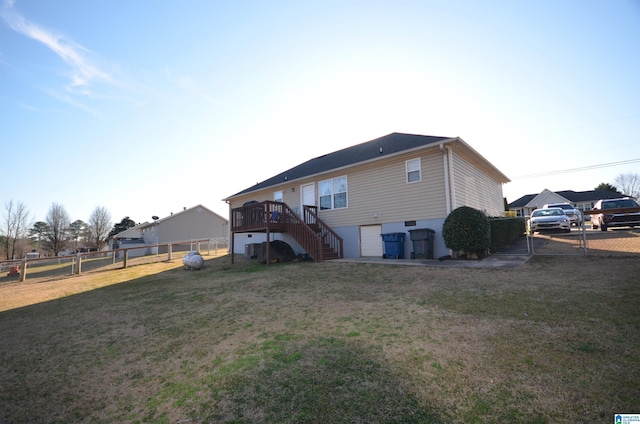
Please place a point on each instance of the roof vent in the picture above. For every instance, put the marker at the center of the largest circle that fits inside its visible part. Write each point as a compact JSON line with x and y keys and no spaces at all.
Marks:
{"x":380,"y":149}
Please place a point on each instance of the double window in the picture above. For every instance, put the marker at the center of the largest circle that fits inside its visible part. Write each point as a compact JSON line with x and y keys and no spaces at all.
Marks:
{"x":333,"y":193}
{"x":413,"y":170}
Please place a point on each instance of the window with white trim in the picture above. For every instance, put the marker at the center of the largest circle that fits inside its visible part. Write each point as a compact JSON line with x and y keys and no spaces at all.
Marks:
{"x":278,"y":196}
{"x":333,"y":193}
{"x":413,"y":170}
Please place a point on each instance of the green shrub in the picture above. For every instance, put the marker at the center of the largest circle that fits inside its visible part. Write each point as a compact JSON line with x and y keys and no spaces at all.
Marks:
{"x":467,"y":231}
{"x":505,"y":231}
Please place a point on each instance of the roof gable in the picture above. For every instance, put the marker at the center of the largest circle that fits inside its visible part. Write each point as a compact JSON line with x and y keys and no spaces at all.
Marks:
{"x":133,"y":232}
{"x":547,"y":196}
{"x":380,"y":147}
{"x":172,"y":215}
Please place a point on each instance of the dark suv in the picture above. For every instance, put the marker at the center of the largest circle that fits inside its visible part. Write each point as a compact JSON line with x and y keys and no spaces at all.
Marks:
{"x":604,"y":220}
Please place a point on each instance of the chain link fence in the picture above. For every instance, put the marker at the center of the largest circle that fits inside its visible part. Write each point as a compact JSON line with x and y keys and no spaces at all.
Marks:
{"x":588,"y":241}
{"x":584,"y":239}
{"x":580,"y":241}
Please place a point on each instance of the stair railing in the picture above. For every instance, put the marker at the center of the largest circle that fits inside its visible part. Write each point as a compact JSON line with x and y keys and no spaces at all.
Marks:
{"x":310,"y":231}
{"x":302,"y":233}
{"x":326,"y":233}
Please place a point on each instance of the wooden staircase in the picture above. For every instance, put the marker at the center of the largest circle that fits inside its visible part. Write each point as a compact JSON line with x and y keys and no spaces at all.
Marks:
{"x":314,"y":236}
{"x":332,"y":244}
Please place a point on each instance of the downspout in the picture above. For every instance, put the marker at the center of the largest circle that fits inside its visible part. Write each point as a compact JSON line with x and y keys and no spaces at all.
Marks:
{"x":447,"y":183}
{"x":230,"y":232}
{"x":452,"y":178}
{"x":447,"y":188}
{"x":157,"y":227}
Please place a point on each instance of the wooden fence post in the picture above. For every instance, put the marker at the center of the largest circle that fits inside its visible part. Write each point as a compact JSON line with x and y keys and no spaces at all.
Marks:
{"x":23,"y":270}
{"x":126,"y":258}
{"x":169,"y":252}
{"x":79,"y":269}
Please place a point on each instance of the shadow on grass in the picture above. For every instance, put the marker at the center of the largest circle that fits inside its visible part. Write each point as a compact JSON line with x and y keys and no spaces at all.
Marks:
{"x":321,"y":380}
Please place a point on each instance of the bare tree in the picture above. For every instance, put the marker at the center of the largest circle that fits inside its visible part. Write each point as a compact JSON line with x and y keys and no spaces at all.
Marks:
{"x":15,"y":228}
{"x":98,"y":228}
{"x":58,"y":221}
{"x":629,"y":184}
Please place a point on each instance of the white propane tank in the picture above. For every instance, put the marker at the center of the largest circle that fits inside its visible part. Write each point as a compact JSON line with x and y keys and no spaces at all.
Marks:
{"x":193,"y":260}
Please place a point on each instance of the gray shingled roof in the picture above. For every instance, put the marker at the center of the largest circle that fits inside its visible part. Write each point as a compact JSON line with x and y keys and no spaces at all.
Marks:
{"x":522,"y":202}
{"x":383,"y":146}
{"x":586,"y":196}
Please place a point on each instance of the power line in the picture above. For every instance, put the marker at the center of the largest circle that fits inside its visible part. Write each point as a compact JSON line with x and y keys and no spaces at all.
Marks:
{"x":584,"y":168}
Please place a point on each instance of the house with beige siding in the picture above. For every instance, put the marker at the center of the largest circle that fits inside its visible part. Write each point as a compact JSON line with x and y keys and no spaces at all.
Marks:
{"x":196,"y":223}
{"x":338,"y":205}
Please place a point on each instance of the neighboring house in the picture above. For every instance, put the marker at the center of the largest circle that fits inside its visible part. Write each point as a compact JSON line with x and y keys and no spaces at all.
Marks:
{"x":347,"y":198}
{"x":582,"y":200}
{"x":196,"y":223}
{"x":131,"y":238}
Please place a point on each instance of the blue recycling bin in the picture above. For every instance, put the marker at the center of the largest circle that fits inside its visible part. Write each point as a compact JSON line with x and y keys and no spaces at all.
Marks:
{"x":393,"y":245}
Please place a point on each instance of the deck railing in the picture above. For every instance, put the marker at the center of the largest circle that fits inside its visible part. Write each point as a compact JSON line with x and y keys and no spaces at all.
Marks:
{"x":309,"y":231}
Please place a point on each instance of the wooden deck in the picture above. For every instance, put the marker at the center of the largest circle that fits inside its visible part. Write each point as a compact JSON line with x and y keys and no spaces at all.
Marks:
{"x":319,"y":240}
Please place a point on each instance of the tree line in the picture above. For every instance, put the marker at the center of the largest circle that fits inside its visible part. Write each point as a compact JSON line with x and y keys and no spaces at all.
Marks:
{"x":625,"y":185}
{"x":19,"y":234}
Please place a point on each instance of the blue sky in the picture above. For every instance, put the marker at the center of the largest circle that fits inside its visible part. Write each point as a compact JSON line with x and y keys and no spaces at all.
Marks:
{"x":145,"y":107}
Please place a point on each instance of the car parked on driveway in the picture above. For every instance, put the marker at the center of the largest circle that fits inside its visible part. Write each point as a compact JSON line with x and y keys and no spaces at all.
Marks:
{"x":607,"y":218}
{"x":575,"y":216}
{"x":548,"y":219}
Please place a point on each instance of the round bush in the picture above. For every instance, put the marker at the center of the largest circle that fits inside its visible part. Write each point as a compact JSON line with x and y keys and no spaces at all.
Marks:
{"x":467,"y":230}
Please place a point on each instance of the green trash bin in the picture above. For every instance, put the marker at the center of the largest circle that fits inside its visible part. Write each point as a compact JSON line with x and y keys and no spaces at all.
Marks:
{"x":422,"y":239}
{"x":393,"y":245}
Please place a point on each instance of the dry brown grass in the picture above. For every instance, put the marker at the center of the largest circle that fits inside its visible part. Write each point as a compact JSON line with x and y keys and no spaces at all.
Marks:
{"x":37,"y":290}
{"x":552,"y":341}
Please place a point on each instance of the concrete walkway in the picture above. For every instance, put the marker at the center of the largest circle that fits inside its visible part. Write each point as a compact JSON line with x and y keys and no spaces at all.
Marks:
{"x":513,"y":256}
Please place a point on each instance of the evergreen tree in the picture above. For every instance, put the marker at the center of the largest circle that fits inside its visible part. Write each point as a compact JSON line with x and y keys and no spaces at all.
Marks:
{"x":121,"y":226}
{"x":608,"y":187}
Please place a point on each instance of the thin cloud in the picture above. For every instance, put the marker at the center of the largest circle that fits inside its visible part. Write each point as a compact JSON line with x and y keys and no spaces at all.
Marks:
{"x":38,"y":109}
{"x":83,"y":71}
{"x":65,"y":98}
{"x":87,"y":79}
{"x":187,"y":84}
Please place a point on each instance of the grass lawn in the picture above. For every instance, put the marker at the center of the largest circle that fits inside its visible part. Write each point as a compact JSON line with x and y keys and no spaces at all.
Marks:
{"x":555,"y":341}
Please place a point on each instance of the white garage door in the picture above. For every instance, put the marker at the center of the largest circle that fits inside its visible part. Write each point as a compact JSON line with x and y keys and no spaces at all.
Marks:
{"x":370,"y":240}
